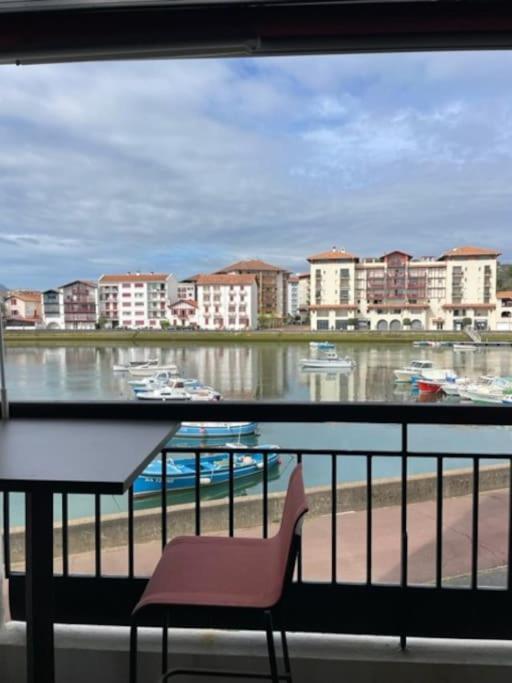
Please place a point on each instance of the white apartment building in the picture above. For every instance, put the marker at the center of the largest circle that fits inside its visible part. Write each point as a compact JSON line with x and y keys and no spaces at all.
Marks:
{"x":504,"y":311}
{"x":396,"y":291}
{"x":227,"y":302}
{"x":135,"y":300}
{"x":304,"y":295}
{"x":292,"y":300}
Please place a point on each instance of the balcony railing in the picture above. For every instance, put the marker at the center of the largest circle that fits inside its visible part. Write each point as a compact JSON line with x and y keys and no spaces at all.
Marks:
{"x":327,"y":603}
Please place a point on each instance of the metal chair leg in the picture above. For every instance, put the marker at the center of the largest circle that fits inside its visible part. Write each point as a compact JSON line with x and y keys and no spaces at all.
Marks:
{"x":286,"y":656}
{"x":165,"y":642}
{"x":133,"y":654}
{"x":274,"y":675}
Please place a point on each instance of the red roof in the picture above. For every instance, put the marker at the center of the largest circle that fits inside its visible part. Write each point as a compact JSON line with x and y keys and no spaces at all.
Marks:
{"x":255,"y":265}
{"x":506,"y":294}
{"x":333,"y":255}
{"x":470,"y":251}
{"x":304,"y":275}
{"x":293,"y":278}
{"x":189,"y":302}
{"x":25,"y":295}
{"x":396,"y":251}
{"x":224,"y":279}
{"x":134,"y":277}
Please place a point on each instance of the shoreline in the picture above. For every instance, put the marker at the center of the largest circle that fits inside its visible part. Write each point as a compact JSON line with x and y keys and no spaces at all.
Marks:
{"x":162,"y":338}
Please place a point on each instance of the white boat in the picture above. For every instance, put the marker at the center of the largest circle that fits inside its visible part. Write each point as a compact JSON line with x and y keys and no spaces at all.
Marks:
{"x":414,"y":369}
{"x":159,"y":379}
{"x":330,"y":360}
{"x":439,"y":375}
{"x":135,"y":364}
{"x":495,"y":392}
{"x":323,"y":345}
{"x":148,"y":370}
{"x":177,"y":390}
{"x":465,"y":347}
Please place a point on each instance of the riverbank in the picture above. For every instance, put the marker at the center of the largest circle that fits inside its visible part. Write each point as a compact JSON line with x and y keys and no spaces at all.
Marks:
{"x":288,"y":335}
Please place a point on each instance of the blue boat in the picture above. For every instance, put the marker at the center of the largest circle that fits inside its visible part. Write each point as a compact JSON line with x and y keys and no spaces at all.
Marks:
{"x":322,"y":346}
{"x":181,"y":474}
{"x":204,"y":430}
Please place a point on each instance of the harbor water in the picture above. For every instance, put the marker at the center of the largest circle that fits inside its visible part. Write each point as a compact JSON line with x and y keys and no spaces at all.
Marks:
{"x":269,"y":371}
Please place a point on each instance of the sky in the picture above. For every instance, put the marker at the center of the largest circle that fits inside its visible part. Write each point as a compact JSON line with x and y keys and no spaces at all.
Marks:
{"x":187,"y":166}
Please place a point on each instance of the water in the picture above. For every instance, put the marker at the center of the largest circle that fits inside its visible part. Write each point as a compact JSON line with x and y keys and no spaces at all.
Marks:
{"x":269,"y":371}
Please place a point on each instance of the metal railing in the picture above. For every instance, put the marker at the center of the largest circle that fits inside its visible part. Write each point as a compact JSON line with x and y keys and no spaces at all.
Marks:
{"x":334,"y":605}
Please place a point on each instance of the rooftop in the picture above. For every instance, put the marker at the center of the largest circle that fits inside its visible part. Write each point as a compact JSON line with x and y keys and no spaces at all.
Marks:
{"x":255,"y":265}
{"x":25,"y":295}
{"x":134,"y":277}
{"x":505,"y":294}
{"x":225,"y":279}
{"x":470,"y":251}
{"x":333,"y":255}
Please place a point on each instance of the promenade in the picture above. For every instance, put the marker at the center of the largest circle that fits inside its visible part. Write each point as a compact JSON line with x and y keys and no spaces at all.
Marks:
{"x":351,"y":542}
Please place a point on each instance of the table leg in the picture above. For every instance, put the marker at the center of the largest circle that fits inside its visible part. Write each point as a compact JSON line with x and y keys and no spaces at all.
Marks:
{"x":39,"y":587}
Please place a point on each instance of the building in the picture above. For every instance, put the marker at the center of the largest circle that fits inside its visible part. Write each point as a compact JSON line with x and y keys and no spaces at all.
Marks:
{"x":396,"y":291}
{"x":227,"y":302}
{"x":187,"y":288}
{"x":183,"y":313}
{"x":304,"y":296}
{"x":271,"y":281}
{"x":135,"y":300}
{"x":22,"y":308}
{"x":292,"y":299}
{"x":53,"y":309}
{"x":80,"y":305}
{"x":504,"y":311}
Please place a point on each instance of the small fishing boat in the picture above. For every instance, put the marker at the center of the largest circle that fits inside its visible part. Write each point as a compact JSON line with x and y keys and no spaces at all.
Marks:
{"x":427,"y":344}
{"x":414,"y":369}
{"x":465,"y":347}
{"x":204,"y":430}
{"x":148,"y":370}
{"x":159,"y":379}
{"x":494,"y":392}
{"x":437,"y":375}
{"x":214,"y":469}
{"x":322,"y":346}
{"x":135,"y":364}
{"x":429,"y":386}
{"x":330,"y":360}
{"x":177,"y":390}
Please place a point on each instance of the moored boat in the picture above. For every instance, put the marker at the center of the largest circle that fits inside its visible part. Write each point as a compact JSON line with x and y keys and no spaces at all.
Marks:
{"x":135,"y":364}
{"x":323,"y":345}
{"x":204,"y":430}
{"x":179,"y":390}
{"x":214,"y":469}
{"x":159,"y":379}
{"x":414,"y":369}
{"x":465,"y":347}
{"x":330,"y":360}
{"x":429,"y":386}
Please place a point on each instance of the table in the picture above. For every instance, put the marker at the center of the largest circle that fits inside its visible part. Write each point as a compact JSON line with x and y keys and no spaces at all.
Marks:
{"x":41,"y":457}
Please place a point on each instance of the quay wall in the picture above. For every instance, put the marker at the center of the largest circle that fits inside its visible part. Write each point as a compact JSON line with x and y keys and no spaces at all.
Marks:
{"x":248,"y":510}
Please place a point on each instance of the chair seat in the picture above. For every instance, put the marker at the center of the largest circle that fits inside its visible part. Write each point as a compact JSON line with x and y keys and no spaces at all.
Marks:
{"x":214,"y":571}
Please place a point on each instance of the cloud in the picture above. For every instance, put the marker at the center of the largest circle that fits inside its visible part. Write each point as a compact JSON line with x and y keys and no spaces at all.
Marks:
{"x":186,"y":166}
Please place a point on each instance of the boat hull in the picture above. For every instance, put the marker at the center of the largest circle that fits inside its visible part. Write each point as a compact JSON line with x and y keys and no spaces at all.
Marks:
{"x":150,"y":481}
{"x":428,"y":387}
{"x":319,"y":364}
{"x":204,"y":430}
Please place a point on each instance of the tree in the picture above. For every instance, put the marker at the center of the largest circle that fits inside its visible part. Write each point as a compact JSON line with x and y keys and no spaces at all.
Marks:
{"x":165,"y":324}
{"x":352,"y":322}
{"x":407,"y":322}
{"x":466,"y":322}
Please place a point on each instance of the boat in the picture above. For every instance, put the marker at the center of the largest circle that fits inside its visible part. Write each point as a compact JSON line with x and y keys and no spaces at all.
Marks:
{"x":429,"y":386}
{"x":214,"y":469}
{"x":135,"y":364}
{"x":493,"y":392}
{"x":159,"y":379}
{"x":507,"y":401}
{"x":465,"y":347}
{"x":414,"y":369}
{"x":323,"y":345}
{"x":204,"y":430}
{"x":330,"y":360}
{"x":177,"y":390}
{"x":437,"y":375}
{"x":427,"y":344}
{"x":148,"y":370}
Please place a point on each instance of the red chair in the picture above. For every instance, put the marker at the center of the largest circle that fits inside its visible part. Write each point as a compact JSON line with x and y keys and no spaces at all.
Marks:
{"x":227,"y":573}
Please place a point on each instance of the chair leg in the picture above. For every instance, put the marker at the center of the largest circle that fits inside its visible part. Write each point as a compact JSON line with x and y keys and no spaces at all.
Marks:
{"x":274,"y":675}
{"x":286,"y":656}
{"x":133,"y":653}
{"x":165,"y":642}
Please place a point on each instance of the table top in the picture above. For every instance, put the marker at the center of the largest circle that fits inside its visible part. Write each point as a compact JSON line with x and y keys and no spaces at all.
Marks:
{"x":77,"y":456}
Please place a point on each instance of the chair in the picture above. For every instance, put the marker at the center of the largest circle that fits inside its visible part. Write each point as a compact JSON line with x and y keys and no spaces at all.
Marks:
{"x":227,"y":573}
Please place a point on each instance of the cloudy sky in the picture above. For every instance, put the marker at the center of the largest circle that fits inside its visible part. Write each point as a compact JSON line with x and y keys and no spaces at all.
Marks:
{"x":187,"y":166}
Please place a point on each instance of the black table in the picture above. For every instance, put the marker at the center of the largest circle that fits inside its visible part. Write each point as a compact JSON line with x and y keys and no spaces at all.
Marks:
{"x":47,"y":456}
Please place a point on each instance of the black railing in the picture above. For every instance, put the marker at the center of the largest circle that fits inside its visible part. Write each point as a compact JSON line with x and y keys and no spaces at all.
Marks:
{"x":400,"y":608}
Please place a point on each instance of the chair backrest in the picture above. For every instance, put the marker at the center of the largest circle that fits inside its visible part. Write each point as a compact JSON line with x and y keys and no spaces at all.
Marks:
{"x":288,"y":537}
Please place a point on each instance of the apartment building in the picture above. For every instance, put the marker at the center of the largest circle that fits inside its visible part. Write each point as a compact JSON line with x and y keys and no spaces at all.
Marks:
{"x":79,"y":305}
{"x":504,"y":311}
{"x":271,"y":282}
{"x":304,"y":296}
{"x":53,"y":309}
{"x":293,"y":296}
{"x":396,"y":291}
{"x":22,"y":308}
{"x":227,"y":302}
{"x":135,"y":300}
{"x":187,"y":289}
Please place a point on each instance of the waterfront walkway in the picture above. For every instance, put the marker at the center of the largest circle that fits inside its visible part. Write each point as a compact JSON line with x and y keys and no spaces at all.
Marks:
{"x":351,"y":541}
